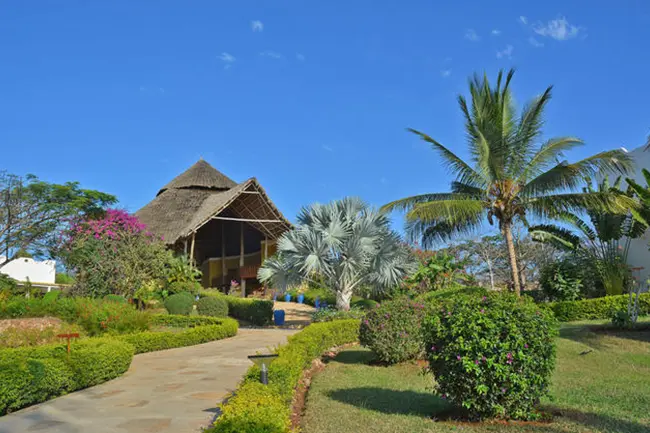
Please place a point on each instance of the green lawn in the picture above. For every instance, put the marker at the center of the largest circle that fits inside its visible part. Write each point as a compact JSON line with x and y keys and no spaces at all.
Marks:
{"x":601,"y":384}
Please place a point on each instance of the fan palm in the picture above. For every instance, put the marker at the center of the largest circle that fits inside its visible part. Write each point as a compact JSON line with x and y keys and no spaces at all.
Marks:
{"x":510,"y":176}
{"x":343,"y":243}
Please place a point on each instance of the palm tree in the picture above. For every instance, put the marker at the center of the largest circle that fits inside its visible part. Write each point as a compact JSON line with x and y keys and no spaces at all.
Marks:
{"x":344,"y":243}
{"x":510,"y":176}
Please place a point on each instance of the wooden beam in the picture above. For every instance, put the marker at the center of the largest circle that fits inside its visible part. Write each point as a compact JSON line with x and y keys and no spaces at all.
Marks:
{"x":223,"y":255}
{"x":192,"y":248}
{"x":185,"y":246}
{"x":266,"y":247}
{"x":246,"y":220}
{"x":250,"y":192}
{"x":241,"y":260}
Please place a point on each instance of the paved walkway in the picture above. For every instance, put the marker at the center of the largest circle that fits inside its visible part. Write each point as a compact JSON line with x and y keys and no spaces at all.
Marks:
{"x":169,"y":391}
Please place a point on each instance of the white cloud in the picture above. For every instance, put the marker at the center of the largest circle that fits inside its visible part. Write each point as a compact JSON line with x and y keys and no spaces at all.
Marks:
{"x":471,"y":35}
{"x":300,"y":57}
{"x":226,"y":57}
{"x":257,"y":26}
{"x":534,"y":42}
{"x":271,"y":54}
{"x":445,"y":73}
{"x":327,"y":148}
{"x":506,"y":52}
{"x":523,"y":19}
{"x":558,"y":29}
{"x":496,"y":32}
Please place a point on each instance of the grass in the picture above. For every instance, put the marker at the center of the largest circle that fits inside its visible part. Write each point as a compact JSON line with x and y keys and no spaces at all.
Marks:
{"x":601,"y":384}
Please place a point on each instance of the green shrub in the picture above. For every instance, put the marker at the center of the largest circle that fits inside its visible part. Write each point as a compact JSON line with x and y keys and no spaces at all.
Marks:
{"x":323,"y":295}
{"x":51,"y":296}
{"x":597,"y":308}
{"x":161,"y":340}
{"x":183,"y":321}
{"x":212,"y":306}
{"x":450,"y":294}
{"x":256,"y":408}
{"x":363,"y":303}
{"x":115,"y":298}
{"x":493,"y":356}
{"x":330,"y":314}
{"x":35,"y":374}
{"x":180,"y":303}
{"x":259,"y":312}
{"x":100,"y":317}
{"x":63,"y":279}
{"x":393,"y":330}
{"x":191,"y":287}
{"x":560,"y":281}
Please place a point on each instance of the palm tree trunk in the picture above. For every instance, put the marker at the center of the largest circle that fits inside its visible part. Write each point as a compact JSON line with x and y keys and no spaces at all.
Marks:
{"x":507,"y":233}
{"x":343,"y":297}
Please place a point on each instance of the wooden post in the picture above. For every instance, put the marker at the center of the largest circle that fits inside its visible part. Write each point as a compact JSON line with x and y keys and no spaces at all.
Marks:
{"x":223,"y":255}
{"x":266,"y":247}
{"x":192,"y":248}
{"x":241,"y":260}
{"x":185,"y":246}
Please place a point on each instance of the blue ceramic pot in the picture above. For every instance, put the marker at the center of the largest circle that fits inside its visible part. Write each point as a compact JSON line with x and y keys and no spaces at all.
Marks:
{"x":301,"y":298}
{"x":287,"y":298}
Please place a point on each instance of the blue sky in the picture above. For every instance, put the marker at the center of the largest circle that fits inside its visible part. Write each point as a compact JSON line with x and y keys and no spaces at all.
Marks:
{"x":312,"y":98}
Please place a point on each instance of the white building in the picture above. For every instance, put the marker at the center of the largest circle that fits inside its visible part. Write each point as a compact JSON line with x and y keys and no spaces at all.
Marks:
{"x":24,"y":269}
{"x":639,"y":255}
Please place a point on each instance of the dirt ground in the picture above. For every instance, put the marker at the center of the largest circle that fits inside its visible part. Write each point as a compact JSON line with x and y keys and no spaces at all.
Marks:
{"x":296,"y":315}
{"x":39,"y":323}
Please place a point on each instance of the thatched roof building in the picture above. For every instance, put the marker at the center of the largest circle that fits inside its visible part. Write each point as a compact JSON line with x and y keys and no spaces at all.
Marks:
{"x":216,"y":221}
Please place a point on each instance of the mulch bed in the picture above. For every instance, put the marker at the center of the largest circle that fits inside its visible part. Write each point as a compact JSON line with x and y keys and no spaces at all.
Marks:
{"x":39,"y":323}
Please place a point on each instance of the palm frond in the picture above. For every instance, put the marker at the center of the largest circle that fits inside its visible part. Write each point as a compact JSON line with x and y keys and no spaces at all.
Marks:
{"x":464,"y":173}
{"x":551,"y":205}
{"x":409,"y":203}
{"x":549,"y":153}
{"x":570,"y":176}
{"x":559,"y":237}
{"x":463,"y":188}
{"x":452,"y":211}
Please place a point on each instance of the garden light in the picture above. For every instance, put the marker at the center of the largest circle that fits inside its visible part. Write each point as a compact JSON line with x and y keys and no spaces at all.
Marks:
{"x":263,"y":362}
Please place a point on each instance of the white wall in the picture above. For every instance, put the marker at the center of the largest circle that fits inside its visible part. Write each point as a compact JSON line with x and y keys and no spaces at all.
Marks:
{"x":24,"y":268}
{"x":639,"y":256}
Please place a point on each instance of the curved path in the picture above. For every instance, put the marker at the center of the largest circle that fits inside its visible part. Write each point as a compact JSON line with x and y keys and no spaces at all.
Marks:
{"x":174,"y":390}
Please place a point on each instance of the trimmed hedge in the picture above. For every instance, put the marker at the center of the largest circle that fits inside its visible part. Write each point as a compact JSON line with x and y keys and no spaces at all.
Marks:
{"x":597,"y":308}
{"x":151,"y":341}
{"x":180,"y":303}
{"x":257,"y":311}
{"x":179,"y":321}
{"x":256,"y":408}
{"x":31,"y":375}
{"x":212,"y":306}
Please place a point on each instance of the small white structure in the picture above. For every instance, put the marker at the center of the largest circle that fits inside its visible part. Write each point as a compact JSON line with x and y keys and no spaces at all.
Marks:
{"x":24,"y":269}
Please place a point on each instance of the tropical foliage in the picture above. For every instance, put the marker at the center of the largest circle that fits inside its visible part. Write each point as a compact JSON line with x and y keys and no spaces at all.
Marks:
{"x":599,"y":240}
{"x":438,"y":271}
{"x":511,"y":176}
{"x":345,"y":243}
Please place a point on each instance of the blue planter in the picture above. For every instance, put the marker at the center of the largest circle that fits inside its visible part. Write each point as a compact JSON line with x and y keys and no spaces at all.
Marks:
{"x":301,"y":298}
{"x":317,"y":302}
{"x":278,"y":317}
{"x":287,"y":298}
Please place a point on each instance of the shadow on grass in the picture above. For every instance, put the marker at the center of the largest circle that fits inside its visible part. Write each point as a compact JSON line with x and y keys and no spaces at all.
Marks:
{"x":590,"y":335}
{"x":604,"y":423}
{"x":390,"y":401}
{"x":358,"y":356}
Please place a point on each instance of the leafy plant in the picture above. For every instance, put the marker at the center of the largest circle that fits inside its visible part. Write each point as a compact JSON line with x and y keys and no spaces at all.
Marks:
{"x":561,"y":281}
{"x":493,"y":355}
{"x":330,"y":314}
{"x":212,"y":306}
{"x":180,"y":303}
{"x":510,"y":176}
{"x":393,"y":330}
{"x":181,"y":270}
{"x":345,"y":243}
{"x":441,"y":270}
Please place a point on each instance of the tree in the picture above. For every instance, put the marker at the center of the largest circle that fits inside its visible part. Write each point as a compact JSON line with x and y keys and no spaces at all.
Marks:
{"x":33,"y":212}
{"x":114,"y":254}
{"x":510,"y":176}
{"x":343,"y":242}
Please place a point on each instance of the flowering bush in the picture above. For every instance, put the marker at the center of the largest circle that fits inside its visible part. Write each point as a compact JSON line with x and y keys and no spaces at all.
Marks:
{"x":114,"y":254}
{"x":393,"y":330}
{"x":492,"y":355}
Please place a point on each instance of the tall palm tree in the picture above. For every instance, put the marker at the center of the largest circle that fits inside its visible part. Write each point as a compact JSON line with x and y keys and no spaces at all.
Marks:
{"x":511,"y":176}
{"x":344,"y":243}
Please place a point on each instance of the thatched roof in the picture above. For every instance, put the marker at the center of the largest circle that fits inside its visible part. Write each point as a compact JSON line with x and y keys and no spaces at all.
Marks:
{"x":201,"y":193}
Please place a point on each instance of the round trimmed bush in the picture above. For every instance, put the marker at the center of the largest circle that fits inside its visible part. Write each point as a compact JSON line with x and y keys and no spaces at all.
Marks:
{"x":180,"y":303}
{"x":212,"y":306}
{"x":392,"y":330}
{"x":492,"y":355}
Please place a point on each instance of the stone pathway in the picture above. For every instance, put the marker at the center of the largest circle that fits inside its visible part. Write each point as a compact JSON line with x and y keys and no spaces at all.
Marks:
{"x":171,"y":391}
